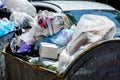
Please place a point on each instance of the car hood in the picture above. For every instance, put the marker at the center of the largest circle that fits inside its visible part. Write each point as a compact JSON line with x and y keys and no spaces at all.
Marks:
{"x":80,"y":5}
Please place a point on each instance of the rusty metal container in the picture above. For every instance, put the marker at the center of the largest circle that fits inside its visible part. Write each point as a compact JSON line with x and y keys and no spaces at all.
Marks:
{"x":18,"y":69}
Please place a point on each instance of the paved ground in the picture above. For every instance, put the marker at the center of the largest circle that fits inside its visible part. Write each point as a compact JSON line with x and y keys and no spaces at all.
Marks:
{"x":2,"y":67}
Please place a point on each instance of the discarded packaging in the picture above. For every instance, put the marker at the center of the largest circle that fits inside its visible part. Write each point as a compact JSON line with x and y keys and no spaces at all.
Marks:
{"x":6,"y":26}
{"x":48,"y":50}
{"x":44,"y":26}
{"x":50,"y":22}
{"x":47,"y":63}
{"x":20,"y":6}
{"x":5,"y":13}
{"x":63,"y":37}
{"x":64,"y":61}
{"x":21,"y":19}
{"x":90,"y":29}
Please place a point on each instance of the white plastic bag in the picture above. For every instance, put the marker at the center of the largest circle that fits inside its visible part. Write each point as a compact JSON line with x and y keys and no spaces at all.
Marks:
{"x":91,"y":28}
{"x":45,"y":24}
{"x":64,"y":61}
{"x":21,"y":19}
{"x":50,"y":22}
{"x":20,"y":6}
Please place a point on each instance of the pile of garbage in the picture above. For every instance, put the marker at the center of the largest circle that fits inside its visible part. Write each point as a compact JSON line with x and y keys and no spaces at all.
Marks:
{"x":46,"y":38}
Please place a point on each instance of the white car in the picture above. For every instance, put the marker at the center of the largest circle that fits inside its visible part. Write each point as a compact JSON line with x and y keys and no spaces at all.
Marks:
{"x":99,"y":62}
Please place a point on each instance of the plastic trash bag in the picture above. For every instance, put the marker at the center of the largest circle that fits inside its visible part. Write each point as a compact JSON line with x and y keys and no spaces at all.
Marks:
{"x":20,"y":6}
{"x":90,"y":29}
{"x":19,"y":46}
{"x":63,"y":37}
{"x":45,"y":25}
{"x":1,"y":3}
{"x":6,"y":26}
{"x":4,"y":12}
{"x":50,"y":22}
{"x":64,"y":60}
{"x":21,"y":19}
{"x":23,"y":43}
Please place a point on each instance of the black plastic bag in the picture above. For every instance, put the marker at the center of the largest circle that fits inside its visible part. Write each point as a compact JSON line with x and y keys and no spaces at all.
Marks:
{"x":4,"y":12}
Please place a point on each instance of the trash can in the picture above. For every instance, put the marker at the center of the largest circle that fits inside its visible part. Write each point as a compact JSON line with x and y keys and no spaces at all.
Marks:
{"x":18,"y":69}
{"x":106,"y":54}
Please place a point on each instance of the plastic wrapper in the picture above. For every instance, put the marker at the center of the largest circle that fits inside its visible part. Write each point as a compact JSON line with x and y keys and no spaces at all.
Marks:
{"x":23,"y":43}
{"x":50,"y":64}
{"x":6,"y":26}
{"x":21,"y":20}
{"x":1,"y":3}
{"x":63,"y":37}
{"x":20,"y":6}
{"x":90,"y":29}
{"x":64,"y":61}
{"x":50,"y":22}
{"x":46,"y":24}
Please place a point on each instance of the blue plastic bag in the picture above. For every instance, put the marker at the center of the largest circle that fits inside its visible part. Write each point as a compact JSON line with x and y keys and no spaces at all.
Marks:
{"x":63,"y":38}
{"x":6,"y":26}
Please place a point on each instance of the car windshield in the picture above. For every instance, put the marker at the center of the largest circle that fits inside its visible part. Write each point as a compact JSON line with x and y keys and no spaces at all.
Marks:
{"x":114,"y":15}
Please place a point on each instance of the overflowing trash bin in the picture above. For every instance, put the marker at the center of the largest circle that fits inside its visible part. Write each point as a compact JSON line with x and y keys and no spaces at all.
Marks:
{"x":42,"y":45}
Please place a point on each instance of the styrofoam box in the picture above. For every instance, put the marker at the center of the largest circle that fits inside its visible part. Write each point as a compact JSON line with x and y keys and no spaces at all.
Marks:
{"x":48,"y":50}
